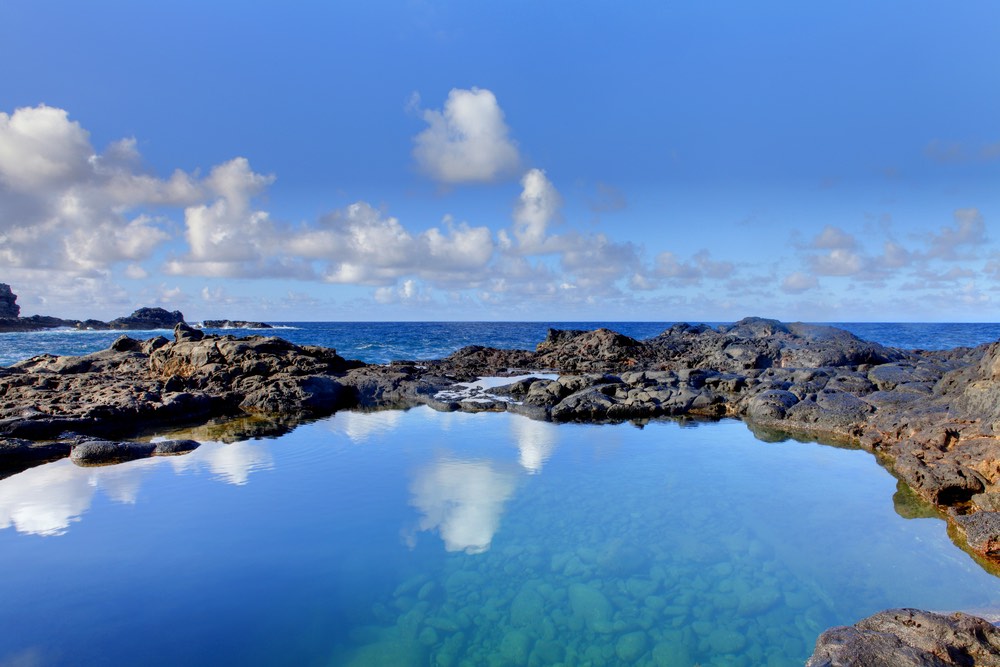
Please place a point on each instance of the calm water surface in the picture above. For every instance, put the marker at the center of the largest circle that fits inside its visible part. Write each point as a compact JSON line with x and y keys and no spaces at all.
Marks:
{"x":423,"y":538}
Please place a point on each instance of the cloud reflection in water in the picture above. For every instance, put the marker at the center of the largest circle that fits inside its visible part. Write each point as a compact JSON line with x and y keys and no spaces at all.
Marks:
{"x":536,"y":441}
{"x":47,"y":499}
{"x":463,"y":500}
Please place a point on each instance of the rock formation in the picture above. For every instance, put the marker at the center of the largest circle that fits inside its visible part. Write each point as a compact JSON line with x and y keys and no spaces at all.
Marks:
{"x":148,"y":318}
{"x":235,"y":324}
{"x":9,"y":310}
{"x":910,"y":638}
{"x":141,"y":319}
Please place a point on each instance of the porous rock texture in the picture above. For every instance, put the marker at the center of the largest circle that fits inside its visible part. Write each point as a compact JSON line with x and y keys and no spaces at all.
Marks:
{"x":910,"y":638}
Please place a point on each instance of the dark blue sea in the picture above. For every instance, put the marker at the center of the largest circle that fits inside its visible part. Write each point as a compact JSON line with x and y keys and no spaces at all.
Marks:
{"x":418,"y":538}
{"x":381,"y":342}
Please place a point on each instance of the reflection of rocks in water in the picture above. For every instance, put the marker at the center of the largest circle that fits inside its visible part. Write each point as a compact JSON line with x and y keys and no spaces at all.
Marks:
{"x":536,"y":441}
{"x":240,"y":428}
{"x":463,"y":500}
{"x":911,"y":506}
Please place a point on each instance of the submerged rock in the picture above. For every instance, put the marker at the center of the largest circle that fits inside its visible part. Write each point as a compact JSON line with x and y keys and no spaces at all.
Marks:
{"x":104,"y":452}
{"x":591,"y":606}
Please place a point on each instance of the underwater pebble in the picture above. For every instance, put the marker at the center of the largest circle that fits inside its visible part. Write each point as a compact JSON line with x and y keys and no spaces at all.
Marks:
{"x":515,"y":647}
{"x":630,"y":646}
{"x":725,"y":641}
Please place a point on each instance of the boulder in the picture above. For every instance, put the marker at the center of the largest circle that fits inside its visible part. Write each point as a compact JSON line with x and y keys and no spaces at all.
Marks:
{"x":910,"y":638}
{"x":104,"y":452}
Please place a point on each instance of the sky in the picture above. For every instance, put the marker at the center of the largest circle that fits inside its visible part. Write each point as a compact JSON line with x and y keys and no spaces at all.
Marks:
{"x":543,"y":160}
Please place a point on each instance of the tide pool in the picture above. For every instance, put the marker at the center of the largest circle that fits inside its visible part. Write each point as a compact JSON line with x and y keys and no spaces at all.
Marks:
{"x":425,"y":538}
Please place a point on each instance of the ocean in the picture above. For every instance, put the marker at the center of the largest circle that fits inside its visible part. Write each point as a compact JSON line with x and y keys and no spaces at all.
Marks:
{"x":381,"y":342}
{"x":412,"y":538}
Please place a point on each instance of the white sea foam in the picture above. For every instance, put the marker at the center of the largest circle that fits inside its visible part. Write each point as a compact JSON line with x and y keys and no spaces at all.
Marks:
{"x":478,"y":391}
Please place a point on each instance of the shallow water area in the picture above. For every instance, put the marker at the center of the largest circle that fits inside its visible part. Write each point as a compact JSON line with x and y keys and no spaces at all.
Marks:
{"x":418,"y":537}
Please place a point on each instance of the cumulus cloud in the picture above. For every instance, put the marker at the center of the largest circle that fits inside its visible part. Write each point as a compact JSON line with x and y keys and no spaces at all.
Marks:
{"x":961,"y":240}
{"x":837,"y":262}
{"x":834,"y":238}
{"x":40,"y":148}
{"x":537,"y":207}
{"x":688,"y":272}
{"x":228,"y":236}
{"x":360,"y":245}
{"x":66,"y":208}
{"x":407,"y":292}
{"x":467,"y":141}
{"x":798,"y":282}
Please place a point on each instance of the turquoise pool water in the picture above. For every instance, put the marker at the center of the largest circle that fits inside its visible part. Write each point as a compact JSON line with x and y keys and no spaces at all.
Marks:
{"x":424,"y":538}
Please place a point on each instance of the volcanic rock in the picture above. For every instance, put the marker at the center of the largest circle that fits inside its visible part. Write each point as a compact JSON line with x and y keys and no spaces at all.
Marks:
{"x":910,"y":638}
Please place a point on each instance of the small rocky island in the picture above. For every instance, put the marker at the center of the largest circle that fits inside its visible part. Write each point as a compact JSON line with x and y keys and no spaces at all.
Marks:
{"x":931,"y":417}
{"x":143,"y":319}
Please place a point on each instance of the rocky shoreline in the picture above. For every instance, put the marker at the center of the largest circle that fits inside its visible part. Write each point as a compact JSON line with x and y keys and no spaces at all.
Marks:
{"x":931,"y":417}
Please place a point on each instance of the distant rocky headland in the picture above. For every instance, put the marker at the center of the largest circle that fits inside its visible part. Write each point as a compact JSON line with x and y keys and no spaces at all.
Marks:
{"x":932,"y":418}
{"x":141,"y":319}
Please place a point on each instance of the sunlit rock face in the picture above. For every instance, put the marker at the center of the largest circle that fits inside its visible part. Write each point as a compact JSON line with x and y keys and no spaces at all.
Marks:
{"x":463,"y":501}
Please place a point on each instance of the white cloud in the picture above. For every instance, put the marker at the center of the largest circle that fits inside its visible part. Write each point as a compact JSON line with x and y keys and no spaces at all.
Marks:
{"x":837,"y":262}
{"x":41,"y":149}
{"x":228,"y":237}
{"x":407,"y":292}
{"x":668,"y":265}
{"x":834,"y":238}
{"x":466,"y":142}
{"x":359,"y":245}
{"x":69,"y":211}
{"x":895,"y":256}
{"x":798,"y":282}
{"x":960,"y":241}
{"x":537,"y":207}
{"x":135,"y":272}
{"x":597,"y":260}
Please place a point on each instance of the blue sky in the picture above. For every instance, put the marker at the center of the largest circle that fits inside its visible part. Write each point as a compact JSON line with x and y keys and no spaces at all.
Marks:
{"x":516,"y":160}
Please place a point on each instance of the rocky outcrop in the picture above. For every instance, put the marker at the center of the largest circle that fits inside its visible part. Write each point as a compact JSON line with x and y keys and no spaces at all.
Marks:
{"x":141,"y":319}
{"x":235,"y":324}
{"x":148,"y":318}
{"x":9,"y":310}
{"x":910,"y":638}
{"x":136,"y":384}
